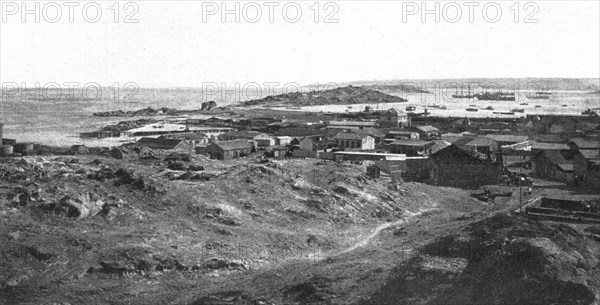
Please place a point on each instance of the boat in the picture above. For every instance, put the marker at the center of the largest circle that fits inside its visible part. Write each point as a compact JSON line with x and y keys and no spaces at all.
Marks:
{"x":417,"y":114}
{"x":437,"y":106}
{"x":501,"y":112}
{"x":411,"y":108}
{"x":472,"y":109}
{"x":462,"y":95}
{"x":517,"y":110}
{"x":498,"y":96}
{"x":590,"y":112}
{"x":523,"y":104}
{"x":564,"y":105}
{"x":488,"y":108}
{"x":538,"y":106}
{"x":540,"y":95}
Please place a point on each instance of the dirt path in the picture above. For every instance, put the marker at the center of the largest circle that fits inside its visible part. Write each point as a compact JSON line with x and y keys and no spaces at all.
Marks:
{"x":365,"y":240}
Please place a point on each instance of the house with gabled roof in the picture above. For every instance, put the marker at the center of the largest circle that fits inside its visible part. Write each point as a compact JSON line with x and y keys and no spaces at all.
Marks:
{"x":586,"y":168}
{"x":163,"y":143}
{"x":314,"y":143}
{"x":356,"y":141}
{"x":553,"y":164}
{"x":428,"y":132}
{"x":393,"y":117}
{"x":506,"y":139}
{"x":410,"y":148}
{"x":455,"y":167}
{"x":225,"y":150}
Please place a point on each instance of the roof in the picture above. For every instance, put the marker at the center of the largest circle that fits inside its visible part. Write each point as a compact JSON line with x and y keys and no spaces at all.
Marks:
{"x":438,"y":145}
{"x":401,"y":132}
{"x":262,"y":136}
{"x":160,"y":143}
{"x":209,"y":128}
{"x":556,"y":157}
{"x":372,"y":131}
{"x":415,"y":143}
{"x":350,"y":136}
{"x":451,"y":139}
{"x":590,"y":154}
{"x":295,"y":132}
{"x":549,"y":138}
{"x":456,"y":155}
{"x":507,"y":138}
{"x":549,"y":146}
{"x":351,"y":123}
{"x":342,"y":127}
{"x":234,"y":144}
{"x":481,"y":142}
{"x":585,"y":144}
{"x":565,"y":167}
{"x":462,"y":141}
{"x":524,"y":146}
{"x":242,"y":134}
{"x":427,"y":128}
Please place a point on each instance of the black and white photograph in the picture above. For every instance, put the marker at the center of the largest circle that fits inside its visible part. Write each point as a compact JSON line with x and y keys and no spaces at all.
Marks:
{"x":312,"y":152}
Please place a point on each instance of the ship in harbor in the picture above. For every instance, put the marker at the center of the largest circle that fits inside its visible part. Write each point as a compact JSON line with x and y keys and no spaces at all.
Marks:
{"x":496,"y":96}
{"x":411,"y":108}
{"x":540,"y":95}
{"x":462,"y":95}
{"x":590,"y":112}
{"x":472,"y":109}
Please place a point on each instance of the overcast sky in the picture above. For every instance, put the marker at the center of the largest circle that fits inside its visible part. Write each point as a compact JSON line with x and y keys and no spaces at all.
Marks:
{"x":171,"y":44}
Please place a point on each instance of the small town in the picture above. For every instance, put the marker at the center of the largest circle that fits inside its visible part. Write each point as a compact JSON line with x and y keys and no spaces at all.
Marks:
{"x":395,"y":142}
{"x":300,"y":153}
{"x":541,"y":167}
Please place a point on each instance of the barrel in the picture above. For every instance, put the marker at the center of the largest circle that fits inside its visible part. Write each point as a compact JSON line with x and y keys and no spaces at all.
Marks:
{"x":22,"y":147}
{"x":6,"y":150}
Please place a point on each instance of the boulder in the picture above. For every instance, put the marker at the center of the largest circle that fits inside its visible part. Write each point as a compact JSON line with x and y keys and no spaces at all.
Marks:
{"x":118,"y":154}
{"x":83,"y":206}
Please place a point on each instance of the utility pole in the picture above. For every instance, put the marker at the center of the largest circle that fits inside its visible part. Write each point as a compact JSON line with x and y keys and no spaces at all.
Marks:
{"x":521,"y":180}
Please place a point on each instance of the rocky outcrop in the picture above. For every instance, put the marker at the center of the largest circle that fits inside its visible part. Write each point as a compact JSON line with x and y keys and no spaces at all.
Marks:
{"x":504,"y":259}
{"x":208,"y":106}
{"x":82,"y":206}
{"x":337,"y":96}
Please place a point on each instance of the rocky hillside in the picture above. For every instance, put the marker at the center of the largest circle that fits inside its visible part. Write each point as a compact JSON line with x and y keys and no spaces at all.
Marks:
{"x":338,"y":96}
{"x":136,"y":226}
{"x":503,"y":259}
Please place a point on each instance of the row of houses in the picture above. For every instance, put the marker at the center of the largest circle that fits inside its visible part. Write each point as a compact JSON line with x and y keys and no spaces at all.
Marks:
{"x":463,"y":160}
{"x":576,"y":162}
